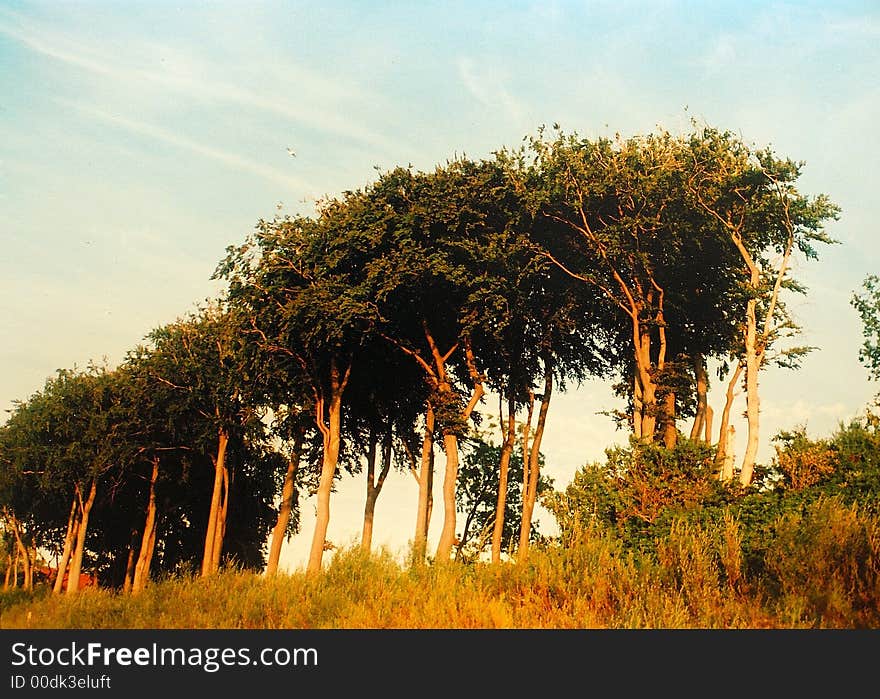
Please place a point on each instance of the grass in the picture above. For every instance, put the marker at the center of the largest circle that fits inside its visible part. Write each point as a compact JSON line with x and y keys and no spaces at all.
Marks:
{"x":820,"y":570}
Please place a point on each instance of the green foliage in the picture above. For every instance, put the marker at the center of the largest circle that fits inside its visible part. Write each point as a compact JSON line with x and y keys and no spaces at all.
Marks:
{"x":868,"y":306}
{"x":477,"y":496}
{"x":640,"y":490}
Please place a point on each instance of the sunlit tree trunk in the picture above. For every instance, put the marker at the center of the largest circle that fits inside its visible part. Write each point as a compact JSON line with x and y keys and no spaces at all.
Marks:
{"x":329,"y":422}
{"x":670,"y":433}
{"x":721,"y":451}
{"x":752,"y":398}
{"x":426,"y":478}
{"x":69,"y":539}
{"x":756,"y":345}
{"x":285,"y":508}
{"x":220,"y":528}
{"x":23,"y":554}
{"x":534,"y":456}
{"x":216,"y":499}
{"x":503,"y":470}
{"x":85,"y":510}
{"x":710,"y":414}
{"x":450,"y":447}
{"x":701,"y":381}
{"x":148,"y":540}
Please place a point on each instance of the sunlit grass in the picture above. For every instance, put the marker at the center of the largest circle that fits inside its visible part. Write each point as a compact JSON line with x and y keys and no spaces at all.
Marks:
{"x":822,"y":569}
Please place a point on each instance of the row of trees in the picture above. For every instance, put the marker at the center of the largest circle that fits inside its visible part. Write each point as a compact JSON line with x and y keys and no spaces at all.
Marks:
{"x":370,"y":333}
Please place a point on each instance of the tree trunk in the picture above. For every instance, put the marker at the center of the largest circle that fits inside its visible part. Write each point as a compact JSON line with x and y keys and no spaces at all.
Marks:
{"x":331,"y":432}
{"x":148,"y":540}
{"x":670,"y":433}
{"x":69,"y":538}
{"x":374,"y":487}
{"x":702,"y":388}
{"x":727,"y":465}
{"x":426,"y":477}
{"x":211,"y":530}
{"x":530,"y":496}
{"x":503,"y":470}
{"x":24,"y":555}
{"x":450,"y":447}
{"x":721,"y":451}
{"x":285,"y":508}
{"x":129,"y":564}
{"x":638,"y":407}
{"x":647,"y":386}
{"x":707,"y":437}
{"x":76,"y":560}
{"x":526,"y":436}
{"x":220,"y":529}
{"x":752,"y":400}
{"x":447,"y":533}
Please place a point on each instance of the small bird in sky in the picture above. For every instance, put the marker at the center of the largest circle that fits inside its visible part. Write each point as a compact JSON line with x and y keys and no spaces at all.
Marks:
{"x":290,"y":151}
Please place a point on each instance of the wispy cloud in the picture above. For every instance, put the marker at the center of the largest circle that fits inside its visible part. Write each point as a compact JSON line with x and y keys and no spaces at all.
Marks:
{"x":488,"y":89}
{"x":319,"y":108}
{"x":165,"y":136}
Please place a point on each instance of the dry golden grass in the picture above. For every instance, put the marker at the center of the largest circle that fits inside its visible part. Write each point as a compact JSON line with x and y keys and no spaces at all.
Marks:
{"x":822,"y":570}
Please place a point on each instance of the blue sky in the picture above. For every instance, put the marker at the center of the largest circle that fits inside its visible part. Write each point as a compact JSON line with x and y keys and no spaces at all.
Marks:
{"x":138,"y":140}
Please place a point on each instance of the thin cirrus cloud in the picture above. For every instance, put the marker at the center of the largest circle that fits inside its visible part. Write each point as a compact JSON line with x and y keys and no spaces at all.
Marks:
{"x":198,"y":84}
{"x":165,"y":136}
{"x":488,"y":90}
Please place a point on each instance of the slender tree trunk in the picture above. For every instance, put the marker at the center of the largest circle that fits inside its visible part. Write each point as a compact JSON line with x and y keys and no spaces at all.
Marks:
{"x":450,"y":447}
{"x":23,"y":552}
{"x":69,"y":539}
{"x":638,"y":407}
{"x":148,"y":540}
{"x":447,"y":533}
{"x":702,"y":388}
{"x":710,"y":414}
{"x":374,"y":487}
{"x":530,"y":496}
{"x":82,"y":530}
{"x":426,"y":477}
{"x":8,"y":577}
{"x":503,"y":470}
{"x":647,"y":386}
{"x":721,"y":451}
{"x":670,"y":433}
{"x":285,"y":508}
{"x":752,"y":399}
{"x":216,"y":493}
{"x":220,"y":529}
{"x":526,"y":436}
{"x":129,"y":564}
{"x":727,"y":466}
{"x":331,"y":432}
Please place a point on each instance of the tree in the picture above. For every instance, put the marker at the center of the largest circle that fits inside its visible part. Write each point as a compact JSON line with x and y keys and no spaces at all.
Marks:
{"x":201,"y":358}
{"x":617,"y":221}
{"x":292,"y":283}
{"x":752,"y":195}
{"x":867,"y":305}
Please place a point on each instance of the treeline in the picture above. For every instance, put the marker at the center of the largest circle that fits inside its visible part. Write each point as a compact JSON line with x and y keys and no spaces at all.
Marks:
{"x":366,"y":336}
